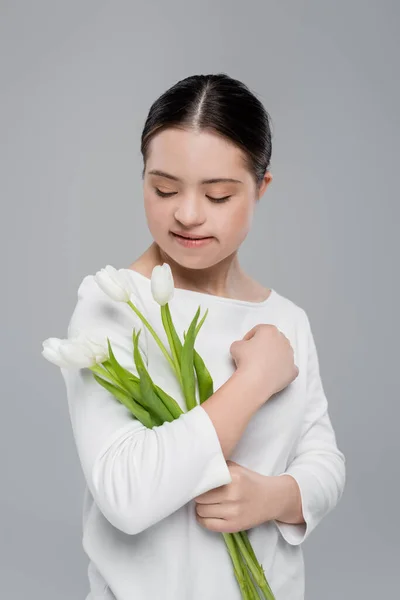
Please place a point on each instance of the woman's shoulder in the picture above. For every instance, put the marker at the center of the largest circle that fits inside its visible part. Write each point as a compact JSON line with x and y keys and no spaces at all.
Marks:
{"x":90,"y":286}
{"x":288,"y":308}
{"x":96,"y":309}
{"x":86,"y":286}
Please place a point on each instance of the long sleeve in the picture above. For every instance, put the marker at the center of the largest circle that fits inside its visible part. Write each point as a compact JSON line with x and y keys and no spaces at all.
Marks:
{"x":137,"y":476}
{"x":318,"y":466}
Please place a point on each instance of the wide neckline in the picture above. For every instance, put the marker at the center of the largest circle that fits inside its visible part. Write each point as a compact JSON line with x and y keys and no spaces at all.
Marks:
{"x":223,"y":299}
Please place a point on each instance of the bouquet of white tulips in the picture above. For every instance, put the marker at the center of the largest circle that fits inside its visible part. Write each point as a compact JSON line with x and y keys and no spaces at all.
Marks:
{"x":147,"y":402}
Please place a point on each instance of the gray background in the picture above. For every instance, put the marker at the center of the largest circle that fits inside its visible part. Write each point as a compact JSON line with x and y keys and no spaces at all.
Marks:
{"x":77,"y":80}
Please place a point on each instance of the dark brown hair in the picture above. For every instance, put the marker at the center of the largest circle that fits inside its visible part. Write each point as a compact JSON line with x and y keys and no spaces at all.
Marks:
{"x":219,"y":103}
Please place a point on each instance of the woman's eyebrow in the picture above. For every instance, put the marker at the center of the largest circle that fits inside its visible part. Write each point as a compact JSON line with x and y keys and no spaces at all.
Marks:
{"x":213,"y":180}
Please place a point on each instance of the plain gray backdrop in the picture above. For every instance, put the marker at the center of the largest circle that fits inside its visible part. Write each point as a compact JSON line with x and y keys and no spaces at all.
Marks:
{"x":77,"y":81}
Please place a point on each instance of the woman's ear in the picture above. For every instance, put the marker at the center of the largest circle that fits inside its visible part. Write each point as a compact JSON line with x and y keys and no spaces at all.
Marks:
{"x":264,"y":184}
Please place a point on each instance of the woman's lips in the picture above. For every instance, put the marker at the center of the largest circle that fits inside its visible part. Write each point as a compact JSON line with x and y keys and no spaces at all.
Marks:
{"x":191,"y":243}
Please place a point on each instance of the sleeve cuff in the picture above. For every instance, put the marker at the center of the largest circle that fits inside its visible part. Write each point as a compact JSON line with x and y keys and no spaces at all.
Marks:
{"x":296,"y":533}
{"x":216,"y":471}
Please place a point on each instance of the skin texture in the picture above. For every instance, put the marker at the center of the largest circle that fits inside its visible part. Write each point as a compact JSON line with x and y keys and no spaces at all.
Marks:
{"x":192,"y":156}
{"x":249,"y":500}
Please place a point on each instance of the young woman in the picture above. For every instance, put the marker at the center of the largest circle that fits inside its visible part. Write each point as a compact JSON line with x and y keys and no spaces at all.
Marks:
{"x":260,"y":454}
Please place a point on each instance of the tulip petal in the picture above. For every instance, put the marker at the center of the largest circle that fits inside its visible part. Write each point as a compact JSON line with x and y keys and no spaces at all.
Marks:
{"x":126,"y":282}
{"x":76,"y":354}
{"x":96,"y":342}
{"x":115,"y":283}
{"x":51,"y":352}
{"x":109,"y":287}
{"x":121,"y":279}
{"x":162,"y":284}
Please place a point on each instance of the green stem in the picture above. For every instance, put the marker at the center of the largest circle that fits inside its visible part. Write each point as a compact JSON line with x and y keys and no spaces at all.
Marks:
{"x":243,"y":534}
{"x":103,"y":372}
{"x":155,"y":336}
{"x":247,"y":556}
{"x":237,"y":565}
{"x":255,"y":568}
{"x":251,"y":584}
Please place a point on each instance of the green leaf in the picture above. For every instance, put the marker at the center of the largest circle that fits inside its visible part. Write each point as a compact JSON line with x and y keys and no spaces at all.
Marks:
{"x":124,"y":376}
{"x":101,"y":370}
{"x":138,"y":411}
{"x":205,"y":381}
{"x":149,"y":396}
{"x":110,"y":369}
{"x":169,"y":402}
{"x":173,"y":340}
{"x":188,"y":375}
{"x":176,"y":342}
{"x":199,"y":326}
{"x":132,"y":381}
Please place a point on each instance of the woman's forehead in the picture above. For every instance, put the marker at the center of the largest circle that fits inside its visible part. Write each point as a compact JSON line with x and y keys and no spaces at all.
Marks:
{"x":183,"y":153}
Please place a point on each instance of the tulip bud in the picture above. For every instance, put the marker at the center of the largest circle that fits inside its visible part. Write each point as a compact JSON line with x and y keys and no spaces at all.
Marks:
{"x":162,"y":284}
{"x":83,"y":351}
{"x":115,"y":283}
{"x":96,"y":344}
{"x":51,"y":352}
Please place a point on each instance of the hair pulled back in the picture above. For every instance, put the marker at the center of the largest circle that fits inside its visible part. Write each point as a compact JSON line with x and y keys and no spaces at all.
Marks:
{"x":219,"y":103}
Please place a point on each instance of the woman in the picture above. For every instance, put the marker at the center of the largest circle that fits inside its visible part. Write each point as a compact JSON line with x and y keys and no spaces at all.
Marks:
{"x":260,"y":454}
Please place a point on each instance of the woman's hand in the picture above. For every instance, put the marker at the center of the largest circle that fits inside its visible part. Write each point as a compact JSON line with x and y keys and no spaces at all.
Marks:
{"x":267,"y":355}
{"x":249,"y":500}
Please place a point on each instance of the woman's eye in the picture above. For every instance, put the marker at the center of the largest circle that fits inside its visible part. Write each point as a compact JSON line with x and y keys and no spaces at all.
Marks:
{"x":223,"y":199}
{"x":163,"y":194}
{"x":168,"y":194}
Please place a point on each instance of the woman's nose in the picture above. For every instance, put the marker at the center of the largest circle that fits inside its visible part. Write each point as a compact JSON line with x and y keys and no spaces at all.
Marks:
{"x":190,"y":212}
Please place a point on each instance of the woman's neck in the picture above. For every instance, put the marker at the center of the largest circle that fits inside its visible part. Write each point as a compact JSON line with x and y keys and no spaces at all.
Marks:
{"x":226,"y":279}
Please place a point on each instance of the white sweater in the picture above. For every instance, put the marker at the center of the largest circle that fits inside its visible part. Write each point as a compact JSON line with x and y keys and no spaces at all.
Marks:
{"x":140,"y":532}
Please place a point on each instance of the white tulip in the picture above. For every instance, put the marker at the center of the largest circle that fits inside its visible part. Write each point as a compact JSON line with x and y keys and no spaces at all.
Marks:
{"x":83,"y":351}
{"x":51,"y":351}
{"x":96,"y":343}
{"x":115,"y":283}
{"x":162,"y":284}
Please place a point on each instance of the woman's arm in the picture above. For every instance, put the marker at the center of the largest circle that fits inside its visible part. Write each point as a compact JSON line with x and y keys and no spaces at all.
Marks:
{"x":138,"y":476}
{"x":285,"y":494}
{"x":318,"y":466}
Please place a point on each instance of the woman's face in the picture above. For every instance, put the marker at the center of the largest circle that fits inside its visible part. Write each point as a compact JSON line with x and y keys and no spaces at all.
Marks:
{"x":178,"y":198}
